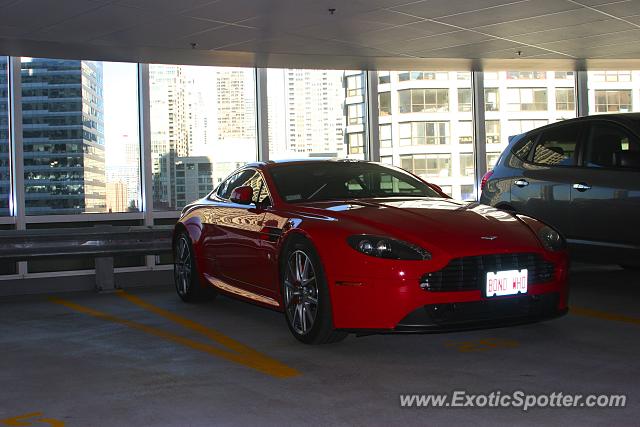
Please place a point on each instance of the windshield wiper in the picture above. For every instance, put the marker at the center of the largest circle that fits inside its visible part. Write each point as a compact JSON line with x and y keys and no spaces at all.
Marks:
{"x":317,"y":191}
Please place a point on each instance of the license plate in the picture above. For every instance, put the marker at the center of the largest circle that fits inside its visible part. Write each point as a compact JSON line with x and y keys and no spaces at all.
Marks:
{"x":508,"y":282}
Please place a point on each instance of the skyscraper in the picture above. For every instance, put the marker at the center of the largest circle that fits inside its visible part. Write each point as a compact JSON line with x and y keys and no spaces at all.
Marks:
{"x":203,"y":126}
{"x":63,"y":136}
{"x":309,"y":106}
{"x":170,"y":132}
{"x":4,"y":138}
{"x":235,"y":107}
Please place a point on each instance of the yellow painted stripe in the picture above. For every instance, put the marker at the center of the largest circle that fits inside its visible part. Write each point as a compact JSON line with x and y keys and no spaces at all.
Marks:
{"x":252,"y":360}
{"x":603,"y":315}
{"x":206,"y":331}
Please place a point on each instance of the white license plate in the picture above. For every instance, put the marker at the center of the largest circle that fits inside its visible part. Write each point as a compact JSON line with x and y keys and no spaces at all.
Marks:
{"x":508,"y":282}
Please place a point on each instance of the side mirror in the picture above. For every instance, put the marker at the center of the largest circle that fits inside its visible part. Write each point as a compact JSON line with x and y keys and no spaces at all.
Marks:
{"x":242,"y":195}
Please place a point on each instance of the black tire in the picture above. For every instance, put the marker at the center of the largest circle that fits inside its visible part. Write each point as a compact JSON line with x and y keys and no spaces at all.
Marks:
{"x":322,"y":330}
{"x":185,"y":272}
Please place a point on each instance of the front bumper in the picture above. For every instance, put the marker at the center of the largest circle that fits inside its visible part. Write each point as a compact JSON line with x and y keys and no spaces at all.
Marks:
{"x":389,"y":298}
{"x":484,"y":314}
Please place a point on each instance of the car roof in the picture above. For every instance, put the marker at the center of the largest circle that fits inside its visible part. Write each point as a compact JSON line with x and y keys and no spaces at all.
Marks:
{"x":273,"y":163}
{"x":631,"y":119}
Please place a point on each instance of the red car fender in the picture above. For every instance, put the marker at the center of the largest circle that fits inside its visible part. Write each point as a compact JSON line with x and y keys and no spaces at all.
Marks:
{"x":193,"y":226}
{"x":314,"y":237}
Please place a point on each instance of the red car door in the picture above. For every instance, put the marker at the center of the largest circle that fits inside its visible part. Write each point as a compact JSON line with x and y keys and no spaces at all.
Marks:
{"x":233,"y":235}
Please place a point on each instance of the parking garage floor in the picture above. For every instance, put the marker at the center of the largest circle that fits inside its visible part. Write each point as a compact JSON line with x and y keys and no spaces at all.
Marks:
{"x":145,"y":358}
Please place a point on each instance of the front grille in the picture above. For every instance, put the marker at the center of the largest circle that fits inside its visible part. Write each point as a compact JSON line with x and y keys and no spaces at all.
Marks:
{"x":470,"y":273}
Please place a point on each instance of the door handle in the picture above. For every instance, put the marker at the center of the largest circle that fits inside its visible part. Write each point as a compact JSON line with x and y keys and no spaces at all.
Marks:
{"x":521,"y":182}
{"x":581,"y":186}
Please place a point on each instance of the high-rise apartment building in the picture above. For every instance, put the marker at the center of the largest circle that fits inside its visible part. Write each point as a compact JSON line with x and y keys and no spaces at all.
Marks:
{"x":306,"y":113}
{"x":202,"y":116}
{"x":426,"y":127}
{"x":613,"y":91}
{"x":170,"y":130}
{"x":235,"y":105}
{"x":63,"y":136}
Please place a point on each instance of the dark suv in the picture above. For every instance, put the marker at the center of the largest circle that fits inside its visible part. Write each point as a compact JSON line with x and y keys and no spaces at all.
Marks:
{"x":582,"y":177}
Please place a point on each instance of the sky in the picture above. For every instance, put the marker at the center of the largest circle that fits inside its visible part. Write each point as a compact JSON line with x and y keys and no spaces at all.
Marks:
{"x":120,"y":94}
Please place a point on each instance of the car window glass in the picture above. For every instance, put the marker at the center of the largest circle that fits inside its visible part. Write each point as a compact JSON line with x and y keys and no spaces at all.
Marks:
{"x":522,"y":148}
{"x":345,"y":180}
{"x":557,"y":146}
{"x":260,"y":192}
{"x":612,"y":146}
{"x":237,"y":180}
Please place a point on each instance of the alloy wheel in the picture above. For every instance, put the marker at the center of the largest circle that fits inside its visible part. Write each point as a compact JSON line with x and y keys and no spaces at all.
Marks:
{"x":183,"y":266}
{"x":300,"y":292}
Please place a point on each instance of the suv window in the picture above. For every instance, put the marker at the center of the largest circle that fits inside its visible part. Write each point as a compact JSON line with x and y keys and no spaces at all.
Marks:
{"x":557,"y":146}
{"x":522,"y":148}
{"x":611,"y":146}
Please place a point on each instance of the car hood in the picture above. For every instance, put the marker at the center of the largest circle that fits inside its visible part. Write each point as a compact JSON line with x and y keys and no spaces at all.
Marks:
{"x":447,"y":224}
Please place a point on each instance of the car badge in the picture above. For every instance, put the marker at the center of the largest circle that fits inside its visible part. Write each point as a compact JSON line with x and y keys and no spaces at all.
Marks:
{"x":489,"y":237}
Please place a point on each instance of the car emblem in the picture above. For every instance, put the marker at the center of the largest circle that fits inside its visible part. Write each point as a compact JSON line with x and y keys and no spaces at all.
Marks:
{"x":489,"y":237}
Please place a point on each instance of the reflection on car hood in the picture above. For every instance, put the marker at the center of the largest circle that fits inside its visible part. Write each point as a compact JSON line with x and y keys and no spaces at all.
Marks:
{"x":446,"y":223}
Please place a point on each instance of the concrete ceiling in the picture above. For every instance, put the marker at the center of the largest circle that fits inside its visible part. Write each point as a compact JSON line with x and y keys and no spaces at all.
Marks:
{"x":359,"y":33}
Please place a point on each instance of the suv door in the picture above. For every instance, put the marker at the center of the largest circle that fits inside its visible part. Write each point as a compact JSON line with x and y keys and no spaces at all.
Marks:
{"x":605,"y":193}
{"x":543,"y":190}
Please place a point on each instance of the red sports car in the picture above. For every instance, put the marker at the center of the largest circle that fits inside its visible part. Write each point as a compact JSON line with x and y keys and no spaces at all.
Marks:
{"x":359,"y":247}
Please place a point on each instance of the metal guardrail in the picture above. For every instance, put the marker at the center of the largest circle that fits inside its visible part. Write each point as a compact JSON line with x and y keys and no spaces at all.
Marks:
{"x":102,"y":242}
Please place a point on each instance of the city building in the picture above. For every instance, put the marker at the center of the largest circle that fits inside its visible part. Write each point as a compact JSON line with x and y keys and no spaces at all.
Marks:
{"x":426,"y":127}
{"x":306,"y":113}
{"x":63,"y":136}
{"x":123,"y":166}
{"x":192,"y":178}
{"x":118,"y":197}
{"x":5,"y":179}
{"x":207,"y":113}
{"x":235,"y":104}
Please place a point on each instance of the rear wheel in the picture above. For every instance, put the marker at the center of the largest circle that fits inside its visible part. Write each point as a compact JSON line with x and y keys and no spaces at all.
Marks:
{"x":306,"y":296}
{"x":185,"y":272}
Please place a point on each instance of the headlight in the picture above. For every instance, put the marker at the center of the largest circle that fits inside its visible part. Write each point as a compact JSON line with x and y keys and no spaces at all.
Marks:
{"x":550,"y":239}
{"x":385,"y":247}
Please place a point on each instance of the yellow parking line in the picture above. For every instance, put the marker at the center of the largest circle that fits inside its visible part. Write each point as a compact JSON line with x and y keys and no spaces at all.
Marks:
{"x":30,"y":419}
{"x":210,"y":333}
{"x":251,"y":359}
{"x":603,"y":315}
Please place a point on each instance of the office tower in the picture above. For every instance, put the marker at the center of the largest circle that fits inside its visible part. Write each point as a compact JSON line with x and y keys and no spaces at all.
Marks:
{"x":4,"y":137}
{"x":170,"y":132}
{"x":309,"y":106}
{"x":63,"y":136}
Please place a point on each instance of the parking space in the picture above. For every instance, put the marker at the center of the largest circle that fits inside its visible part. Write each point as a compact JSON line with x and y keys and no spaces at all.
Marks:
{"x":145,"y":358}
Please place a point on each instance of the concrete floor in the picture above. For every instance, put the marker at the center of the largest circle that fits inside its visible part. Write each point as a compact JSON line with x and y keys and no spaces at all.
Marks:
{"x":128,"y":363}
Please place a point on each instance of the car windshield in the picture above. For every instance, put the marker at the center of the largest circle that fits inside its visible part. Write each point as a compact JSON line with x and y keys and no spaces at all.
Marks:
{"x":302,"y":182}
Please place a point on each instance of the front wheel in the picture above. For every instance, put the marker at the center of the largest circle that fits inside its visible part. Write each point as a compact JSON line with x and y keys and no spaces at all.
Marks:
{"x":306,"y":299}
{"x":185,"y":273}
